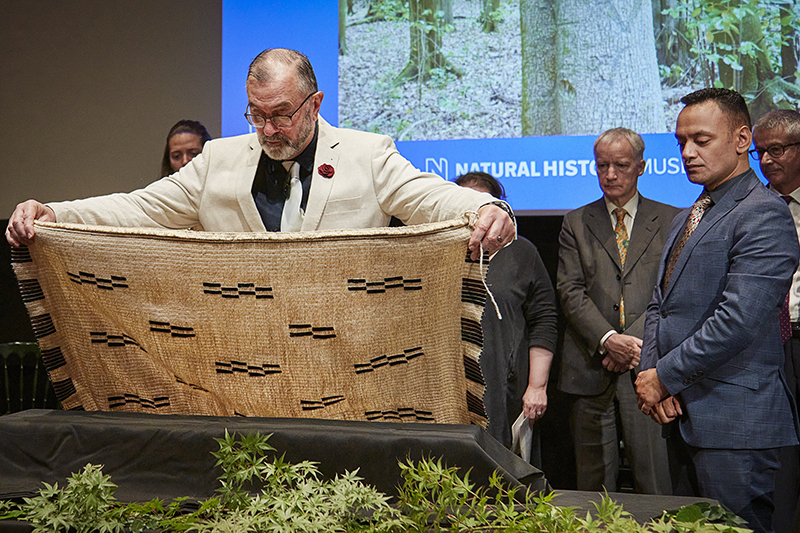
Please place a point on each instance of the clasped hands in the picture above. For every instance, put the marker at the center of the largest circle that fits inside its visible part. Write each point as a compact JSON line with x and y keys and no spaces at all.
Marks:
{"x":654,"y":399}
{"x":622,"y":352}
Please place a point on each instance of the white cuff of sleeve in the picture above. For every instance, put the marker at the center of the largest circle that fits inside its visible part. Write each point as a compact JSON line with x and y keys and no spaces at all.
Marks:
{"x":603,"y":339}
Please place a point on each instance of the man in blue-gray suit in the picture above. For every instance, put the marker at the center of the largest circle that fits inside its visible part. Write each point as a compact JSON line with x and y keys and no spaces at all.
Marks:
{"x":712,"y":345}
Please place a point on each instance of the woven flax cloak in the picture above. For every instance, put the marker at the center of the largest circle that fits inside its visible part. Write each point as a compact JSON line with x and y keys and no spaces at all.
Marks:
{"x":378,"y":324}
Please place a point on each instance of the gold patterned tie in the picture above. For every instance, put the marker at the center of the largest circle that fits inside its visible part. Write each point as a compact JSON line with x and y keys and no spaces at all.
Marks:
{"x":698,"y":208}
{"x":622,"y":245}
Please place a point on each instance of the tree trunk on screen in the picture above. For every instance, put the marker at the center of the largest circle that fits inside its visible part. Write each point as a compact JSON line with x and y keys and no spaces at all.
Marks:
{"x":342,"y":27}
{"x":538,"y":27}
{"x":489,"y":14}
{"x":746,"y":80}
{"x":789,"y":49}
{"x":606,"y":73}
{"x":425,"y":43}
{"x":756,"y":68}
{"x":447,"y":7}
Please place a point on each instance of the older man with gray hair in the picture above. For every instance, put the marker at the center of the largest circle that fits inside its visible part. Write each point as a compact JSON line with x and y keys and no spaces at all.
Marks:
{"x":777,"y":139}
{"x":608,"y":262}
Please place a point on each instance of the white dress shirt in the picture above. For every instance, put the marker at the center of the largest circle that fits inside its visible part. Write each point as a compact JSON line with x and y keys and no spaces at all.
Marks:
{"x":794,"y":292}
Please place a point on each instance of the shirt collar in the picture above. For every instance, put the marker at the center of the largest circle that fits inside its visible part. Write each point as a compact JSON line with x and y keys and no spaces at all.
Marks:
{"x":795,"y":194}
{"x":725,"y":186}
{"x":631,"y":206}
{"x":306,"y":157}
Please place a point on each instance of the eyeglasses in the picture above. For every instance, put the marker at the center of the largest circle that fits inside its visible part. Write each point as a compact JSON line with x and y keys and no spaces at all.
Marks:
{"x":775,"y":151}
{"x":279,"y":121}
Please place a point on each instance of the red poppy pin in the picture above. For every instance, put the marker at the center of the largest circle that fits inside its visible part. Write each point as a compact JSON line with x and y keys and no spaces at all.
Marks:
{"x":325,"y":170}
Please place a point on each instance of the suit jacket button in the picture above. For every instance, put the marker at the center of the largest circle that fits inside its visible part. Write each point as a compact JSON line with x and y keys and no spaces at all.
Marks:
{"x":618,"y":277}
{"x":663,"y":313}
{"x":616,"y":307}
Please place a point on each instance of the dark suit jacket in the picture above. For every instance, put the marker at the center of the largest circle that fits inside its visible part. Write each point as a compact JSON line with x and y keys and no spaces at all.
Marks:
{"x":590,"y":282}
{"x":714,"y":334}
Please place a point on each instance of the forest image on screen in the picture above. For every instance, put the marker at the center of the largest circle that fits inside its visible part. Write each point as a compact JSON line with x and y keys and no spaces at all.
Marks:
{"x":521,"y":88}
{"x":466,"y":69}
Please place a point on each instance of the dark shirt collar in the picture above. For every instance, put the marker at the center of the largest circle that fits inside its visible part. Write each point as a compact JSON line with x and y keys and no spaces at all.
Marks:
{"x":270,"y":184}
{"x":306,"y":157}
{"x":726,"y":186}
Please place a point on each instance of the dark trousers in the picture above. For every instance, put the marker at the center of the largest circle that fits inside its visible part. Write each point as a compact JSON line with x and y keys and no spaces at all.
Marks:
{"x":741,"y":480}
{"x":786,"y":518}
{"x":594,"y":428}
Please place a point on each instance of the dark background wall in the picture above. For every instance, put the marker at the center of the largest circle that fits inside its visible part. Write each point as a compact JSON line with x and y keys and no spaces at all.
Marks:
{"x":90,"y":88}
{"x":88,"y":92}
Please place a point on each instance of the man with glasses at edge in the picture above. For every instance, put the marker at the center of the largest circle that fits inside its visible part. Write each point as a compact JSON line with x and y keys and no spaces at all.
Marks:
{"x":296,"y":173}
{"x":777,"y":139}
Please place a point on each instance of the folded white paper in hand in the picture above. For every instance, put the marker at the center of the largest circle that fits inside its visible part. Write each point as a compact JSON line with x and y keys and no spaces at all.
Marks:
{"x":521,"y":436}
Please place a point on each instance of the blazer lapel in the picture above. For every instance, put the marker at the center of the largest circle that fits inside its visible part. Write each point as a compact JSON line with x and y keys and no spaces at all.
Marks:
{"x":244,"y":186}
{"x":673,"y":237}
{"x":728,"y":202}
{"x":599,"y":223}
{"x":321,"y":186}
{"x":644,"y":229}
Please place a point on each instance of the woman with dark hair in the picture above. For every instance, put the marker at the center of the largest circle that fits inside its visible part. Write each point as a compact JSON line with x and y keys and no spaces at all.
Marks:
{"x":517,"y":350}
{"x":184,"y":141}
{"x":481,"y":181}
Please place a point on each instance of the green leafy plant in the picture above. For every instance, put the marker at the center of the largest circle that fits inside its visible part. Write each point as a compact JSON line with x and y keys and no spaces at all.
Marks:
{"x":263,"y":493}
{"x":672,"y":74}
{"x":706,"y":513}
{"x":387,"y":10}
{"x":84,"y":504}
{"x":491,"y":19}
{"x":738,"y":44}
{"x":435,"y":498}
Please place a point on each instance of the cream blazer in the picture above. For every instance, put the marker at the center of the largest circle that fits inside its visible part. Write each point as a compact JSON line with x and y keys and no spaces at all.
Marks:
{"x":371,"y":183}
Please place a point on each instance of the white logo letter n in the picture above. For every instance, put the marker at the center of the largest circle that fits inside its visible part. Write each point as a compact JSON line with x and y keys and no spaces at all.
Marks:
{"x":440,"y":167}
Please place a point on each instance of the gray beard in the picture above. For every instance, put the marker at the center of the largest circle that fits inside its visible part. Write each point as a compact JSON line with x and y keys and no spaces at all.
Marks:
{"x":281,"y":153}
{"x":288,"y":149}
